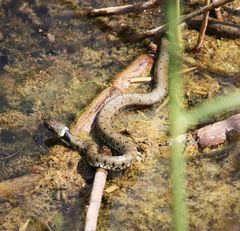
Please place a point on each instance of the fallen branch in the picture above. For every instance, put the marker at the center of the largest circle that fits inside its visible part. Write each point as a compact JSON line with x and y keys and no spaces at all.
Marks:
{"x":95,"y":199}
{"x":228,"y":29}
{"x":161,"y":29}
{"x":235,"y":11}
{"x":203,"y":28}
{"x":124,"y":9}
{"x":205,"y":9}
{"x":139,"y":67}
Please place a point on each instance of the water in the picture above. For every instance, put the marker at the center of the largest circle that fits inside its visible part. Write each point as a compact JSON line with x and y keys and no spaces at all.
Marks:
{"x":52,"y":64}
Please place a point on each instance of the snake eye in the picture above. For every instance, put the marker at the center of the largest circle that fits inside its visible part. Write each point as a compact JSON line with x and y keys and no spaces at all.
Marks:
{"x":49,"y":127}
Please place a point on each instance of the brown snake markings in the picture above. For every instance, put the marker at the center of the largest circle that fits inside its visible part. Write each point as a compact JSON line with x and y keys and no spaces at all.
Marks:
{"x":104,"y":120}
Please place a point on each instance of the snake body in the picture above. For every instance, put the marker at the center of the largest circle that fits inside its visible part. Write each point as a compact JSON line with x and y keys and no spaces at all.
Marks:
{"x":104,"y":120}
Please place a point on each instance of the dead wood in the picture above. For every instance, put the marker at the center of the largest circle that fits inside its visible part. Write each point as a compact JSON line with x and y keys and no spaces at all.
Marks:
{"x":124,"y":9}
{"x":139,"y":67}
{"x":203,"y":28}
{"x":162,"y":29}
{"x":95,"y":199}
{"x":218,"y":12}
{"x":215,"y":134}
{"x":216,"y":27}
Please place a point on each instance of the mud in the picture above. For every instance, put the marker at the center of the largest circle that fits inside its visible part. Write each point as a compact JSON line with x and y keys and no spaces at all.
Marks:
{"x":52,"y":64}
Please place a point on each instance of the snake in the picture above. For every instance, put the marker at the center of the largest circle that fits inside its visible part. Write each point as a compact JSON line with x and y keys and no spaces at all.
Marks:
{"x":109,"y":111}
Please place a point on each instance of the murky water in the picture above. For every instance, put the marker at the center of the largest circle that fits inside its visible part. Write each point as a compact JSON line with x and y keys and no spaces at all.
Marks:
{"x":52,"y":64}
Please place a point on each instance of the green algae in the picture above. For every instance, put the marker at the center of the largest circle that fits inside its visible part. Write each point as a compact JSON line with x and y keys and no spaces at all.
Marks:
{"x":58,"y":79}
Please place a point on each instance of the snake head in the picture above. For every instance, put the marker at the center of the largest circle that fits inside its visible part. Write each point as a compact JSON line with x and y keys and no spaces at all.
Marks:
{"x":56,"y":127}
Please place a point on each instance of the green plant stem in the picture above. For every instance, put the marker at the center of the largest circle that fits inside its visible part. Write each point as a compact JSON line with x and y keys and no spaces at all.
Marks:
{"x":179,"y":218}
{"x":206,"y":109}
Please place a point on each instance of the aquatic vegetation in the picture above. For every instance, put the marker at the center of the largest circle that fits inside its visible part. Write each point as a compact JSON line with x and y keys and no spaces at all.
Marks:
{"x":180,"y":120}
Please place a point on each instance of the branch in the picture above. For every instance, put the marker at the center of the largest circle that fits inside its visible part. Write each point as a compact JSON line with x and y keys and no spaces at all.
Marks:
{"x":17,"y":186}
{"x":212,"y":135}
{"x":139,"y":67}
{"x":162,"y":29}
{"x":124,"y":9}
{"x":203,"y":28}
{"x":205,"y":9}
{"x":95,"y":199}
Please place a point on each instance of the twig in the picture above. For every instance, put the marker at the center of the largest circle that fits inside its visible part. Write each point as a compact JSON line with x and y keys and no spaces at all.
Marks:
{"x":235,"y":11}
{"x":149,"y":78}
{"x":203,"y":28}
{"x":124,"y":9}
{"x":15,"y":153}
{"x":95,"y":199}
{"x":140,"y":79}
{"x":205,"y":9}
{"x":14,"y":187}
{"x":161,"y":29}
{"x":218,"y":12}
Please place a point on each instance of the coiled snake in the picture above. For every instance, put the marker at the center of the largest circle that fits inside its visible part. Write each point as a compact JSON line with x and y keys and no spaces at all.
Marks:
{"x":113,"y":139}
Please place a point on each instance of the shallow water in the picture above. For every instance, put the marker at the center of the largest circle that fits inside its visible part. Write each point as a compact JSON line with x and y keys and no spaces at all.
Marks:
{"x":52,"y":64}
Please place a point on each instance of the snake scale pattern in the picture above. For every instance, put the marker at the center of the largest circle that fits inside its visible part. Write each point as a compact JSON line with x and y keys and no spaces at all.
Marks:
{"x":113,"y":139}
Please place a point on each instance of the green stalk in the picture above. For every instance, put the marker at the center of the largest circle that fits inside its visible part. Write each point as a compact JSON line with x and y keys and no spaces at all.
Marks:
{"x":206,"y":109}
{"x":179,"y":218}
{"x":181,"y":120}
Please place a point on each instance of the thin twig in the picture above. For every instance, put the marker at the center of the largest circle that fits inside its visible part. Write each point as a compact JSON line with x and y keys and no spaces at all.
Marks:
{"x":231,"y":10}
{"x":205,"y":9}
{"x":15,"y":153}
{"x":203,"y":28}
{"x":124,"y":9}
{"x":161,"y":29}
{"x":140,"y":79}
